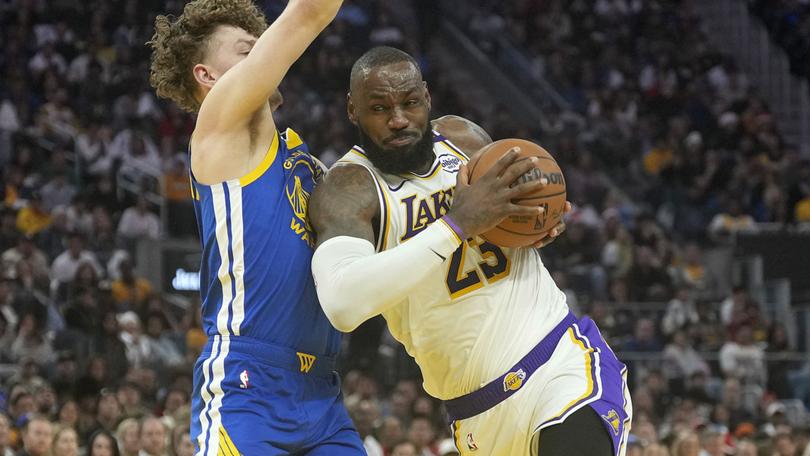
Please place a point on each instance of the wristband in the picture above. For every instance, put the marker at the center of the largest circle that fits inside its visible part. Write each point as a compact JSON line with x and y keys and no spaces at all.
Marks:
{"x":454,"y":226}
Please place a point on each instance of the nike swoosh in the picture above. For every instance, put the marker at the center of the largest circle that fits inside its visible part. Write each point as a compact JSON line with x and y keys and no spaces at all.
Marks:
{"x":438,"y":255}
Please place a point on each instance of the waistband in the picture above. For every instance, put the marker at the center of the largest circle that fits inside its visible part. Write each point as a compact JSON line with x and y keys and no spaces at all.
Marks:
{"x":273,"y":355}
{"x":500,"y":389}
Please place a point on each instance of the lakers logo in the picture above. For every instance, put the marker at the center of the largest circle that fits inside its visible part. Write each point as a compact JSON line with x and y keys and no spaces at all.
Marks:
{"x":612,"y":418}
{"x":307,"y":361}
{"x":514,"y":380}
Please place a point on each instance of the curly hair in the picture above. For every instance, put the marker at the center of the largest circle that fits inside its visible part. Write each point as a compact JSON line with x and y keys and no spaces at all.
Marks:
{"x":179,"y":44}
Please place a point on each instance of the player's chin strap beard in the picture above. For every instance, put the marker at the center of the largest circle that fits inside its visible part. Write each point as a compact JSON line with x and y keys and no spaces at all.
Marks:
{"x":414,"y":158}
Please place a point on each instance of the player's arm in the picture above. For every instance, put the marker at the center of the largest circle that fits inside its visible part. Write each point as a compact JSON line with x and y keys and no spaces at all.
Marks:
{"x":470,"y":138}
{"x":354,"y":282}
{"x":247,"y":86}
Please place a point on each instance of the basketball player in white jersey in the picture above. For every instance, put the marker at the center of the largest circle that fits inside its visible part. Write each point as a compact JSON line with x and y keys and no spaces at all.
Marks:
{"x":398,"y":225}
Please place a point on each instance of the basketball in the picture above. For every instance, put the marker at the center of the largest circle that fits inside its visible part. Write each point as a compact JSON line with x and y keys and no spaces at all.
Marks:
{"x":521,"y":230}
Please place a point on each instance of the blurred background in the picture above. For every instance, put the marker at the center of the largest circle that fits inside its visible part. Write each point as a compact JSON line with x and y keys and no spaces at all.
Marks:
{"x":683,"y":129}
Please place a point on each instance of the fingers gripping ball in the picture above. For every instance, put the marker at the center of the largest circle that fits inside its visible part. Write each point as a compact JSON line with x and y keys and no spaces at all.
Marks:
{"x":525,"y":230}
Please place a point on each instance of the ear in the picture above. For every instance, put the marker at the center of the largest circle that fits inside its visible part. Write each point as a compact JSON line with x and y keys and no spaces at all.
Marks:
{"x":204,"y":76}
{"x":427,"y":96}
{"x":351,"y":109}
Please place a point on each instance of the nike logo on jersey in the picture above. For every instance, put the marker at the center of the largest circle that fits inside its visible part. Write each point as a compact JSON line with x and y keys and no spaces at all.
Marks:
{"x":444,"y":258}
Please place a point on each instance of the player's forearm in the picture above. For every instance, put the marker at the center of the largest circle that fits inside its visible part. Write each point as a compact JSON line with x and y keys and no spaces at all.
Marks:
{"x":247,"y":86}
{"x":354,"y":283}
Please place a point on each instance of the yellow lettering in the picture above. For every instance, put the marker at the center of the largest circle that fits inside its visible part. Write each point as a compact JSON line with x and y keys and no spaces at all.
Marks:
{"x":295,"y":226}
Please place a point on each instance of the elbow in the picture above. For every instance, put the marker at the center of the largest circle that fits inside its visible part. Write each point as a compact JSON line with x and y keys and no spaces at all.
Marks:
{"x":339,"y":314}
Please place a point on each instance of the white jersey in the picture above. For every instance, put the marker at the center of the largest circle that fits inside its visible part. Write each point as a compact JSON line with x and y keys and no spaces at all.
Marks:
{"x":492,"y":305}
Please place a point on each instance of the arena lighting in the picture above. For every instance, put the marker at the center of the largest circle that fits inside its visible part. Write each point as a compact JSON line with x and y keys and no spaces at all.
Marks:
{"x":186,"y":280}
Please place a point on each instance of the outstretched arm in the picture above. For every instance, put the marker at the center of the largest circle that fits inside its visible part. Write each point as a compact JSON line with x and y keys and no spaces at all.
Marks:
{"x":247,"y":86}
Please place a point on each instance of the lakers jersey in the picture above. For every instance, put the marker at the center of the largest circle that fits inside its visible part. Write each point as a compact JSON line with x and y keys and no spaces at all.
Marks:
{"x":255,"y":278}
{"x":491,"y":305}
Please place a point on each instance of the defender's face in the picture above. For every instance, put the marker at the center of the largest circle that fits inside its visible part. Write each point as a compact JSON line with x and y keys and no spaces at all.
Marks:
{"x":391,"y":106}
{"x":228,"y":46}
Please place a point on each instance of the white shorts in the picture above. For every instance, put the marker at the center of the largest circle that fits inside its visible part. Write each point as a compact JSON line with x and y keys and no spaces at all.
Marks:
{"x":582,"y":371}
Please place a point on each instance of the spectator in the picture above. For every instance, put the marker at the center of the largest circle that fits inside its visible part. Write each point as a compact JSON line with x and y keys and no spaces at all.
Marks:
{"x":153,"y":437}
{"x":138,"y":223}
{"x":108,"y":410}
{"x":57,"y":192}
{"x":65,"y":443}
{"x":27,"y":251}
{"x":743,"y":360}
{"x":93,"y":148}
{"x":102,"y":443}
{"x":128,"y":436}
{"x":405,"y":448}
{"x":181,"y":442}
{"x":712,"y":444}
{"x":33,"y":218}
{"x":36,"y":437}
{"x":648,"y":278}
{"x":747,"y":448}
{"x":680,"y":314}
{"x":64,"y":267}
{"x":422,"y":435}
{"x":644,"y":339}
{"x":68,"y":416}
{"x":364,"y":414}
{"x":31,"y":341}
{"x":730,"y":222}
{"x":129,"y":291}
{"x":681,"y":361}
{"x":687,"y":444}
{"x":5,"y":434}
{"x":137,"y":346}
{"x":163,"y":349}
{"x":389,"y":433}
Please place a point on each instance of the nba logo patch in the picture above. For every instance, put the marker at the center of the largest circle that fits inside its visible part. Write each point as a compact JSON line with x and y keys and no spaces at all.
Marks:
{"x":612,"y":418}
{"x":514,"y":380}
{"x":471,"y":442}
{"x":243,"y":377}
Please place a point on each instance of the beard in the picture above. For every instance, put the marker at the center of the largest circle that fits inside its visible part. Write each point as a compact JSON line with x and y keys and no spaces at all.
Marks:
{"x":399,"y":160}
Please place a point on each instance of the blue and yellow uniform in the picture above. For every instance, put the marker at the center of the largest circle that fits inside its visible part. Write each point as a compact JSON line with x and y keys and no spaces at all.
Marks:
{"x":265,"y":382}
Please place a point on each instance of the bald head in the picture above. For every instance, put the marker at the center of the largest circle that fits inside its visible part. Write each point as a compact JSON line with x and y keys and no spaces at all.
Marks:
{"x":379,"y":57}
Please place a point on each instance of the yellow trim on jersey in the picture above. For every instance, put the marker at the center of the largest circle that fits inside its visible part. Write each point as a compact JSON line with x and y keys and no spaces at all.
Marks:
{"x":194,"y":194}
{"x":588,"y":374}
{"x":460,"y":241}
{"x":292,"y":139}
{"x":454,"y":151}
{"x":226,"y":446}
{"x":472,"y":287}
{"x":430,"y":176}
{"x":269,"y":158}
{"x":457,"y":435}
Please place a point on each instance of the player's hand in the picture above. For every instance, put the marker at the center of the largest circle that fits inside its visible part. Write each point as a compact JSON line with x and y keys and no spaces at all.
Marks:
{"x":555,"y":232}
{"x":478,"y":207}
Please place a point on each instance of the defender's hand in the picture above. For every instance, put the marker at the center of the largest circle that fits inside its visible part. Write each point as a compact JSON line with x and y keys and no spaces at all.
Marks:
{"x":478,"y":207}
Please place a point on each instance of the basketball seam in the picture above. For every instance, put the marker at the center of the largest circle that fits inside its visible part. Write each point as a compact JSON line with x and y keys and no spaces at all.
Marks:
{"x":517,"y":200}
{"x":520,"y":234}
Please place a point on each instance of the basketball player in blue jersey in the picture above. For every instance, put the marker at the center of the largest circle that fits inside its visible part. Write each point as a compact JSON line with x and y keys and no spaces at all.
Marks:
{"x":398,"y":225}
{"x":265,"y":383}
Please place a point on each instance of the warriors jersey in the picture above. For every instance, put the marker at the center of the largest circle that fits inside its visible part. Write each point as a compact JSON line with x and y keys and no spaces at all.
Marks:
{"x":488,"y":308}
{"x":255,"y":278}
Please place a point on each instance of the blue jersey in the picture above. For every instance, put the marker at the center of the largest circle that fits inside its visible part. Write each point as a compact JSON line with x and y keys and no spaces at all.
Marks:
{"x":255,"y":278}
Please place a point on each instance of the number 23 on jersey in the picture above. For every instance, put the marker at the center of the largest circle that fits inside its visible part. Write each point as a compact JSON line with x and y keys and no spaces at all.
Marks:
{"x":494,"y":267}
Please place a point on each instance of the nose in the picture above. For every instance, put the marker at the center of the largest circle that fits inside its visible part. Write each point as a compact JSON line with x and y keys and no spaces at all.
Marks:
{"x":398,"y":121}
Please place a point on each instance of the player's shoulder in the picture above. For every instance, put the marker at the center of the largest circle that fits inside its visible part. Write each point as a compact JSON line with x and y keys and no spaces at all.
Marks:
{"x":463,"y":133}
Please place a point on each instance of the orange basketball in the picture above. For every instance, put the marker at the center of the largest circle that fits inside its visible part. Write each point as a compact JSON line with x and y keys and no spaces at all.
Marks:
{"x":521,"y":230}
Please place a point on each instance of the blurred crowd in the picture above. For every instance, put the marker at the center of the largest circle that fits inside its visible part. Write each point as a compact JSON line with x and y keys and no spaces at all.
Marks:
{"x":789,"y":24}
{"x":97,"y":358}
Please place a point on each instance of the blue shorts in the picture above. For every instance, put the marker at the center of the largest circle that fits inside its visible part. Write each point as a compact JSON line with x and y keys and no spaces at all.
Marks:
{"x":244,"y":403}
